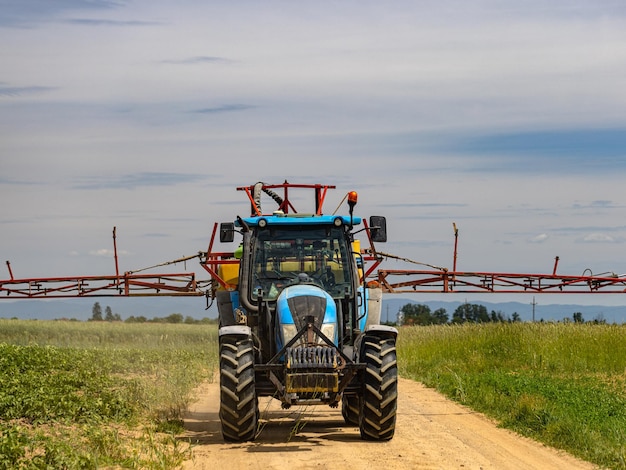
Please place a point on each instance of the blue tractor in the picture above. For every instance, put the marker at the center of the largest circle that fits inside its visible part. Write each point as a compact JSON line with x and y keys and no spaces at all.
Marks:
{"x":299,"y":322}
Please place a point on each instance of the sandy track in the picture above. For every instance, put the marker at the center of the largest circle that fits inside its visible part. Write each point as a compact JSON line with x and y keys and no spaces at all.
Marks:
{"x":431,"y":433}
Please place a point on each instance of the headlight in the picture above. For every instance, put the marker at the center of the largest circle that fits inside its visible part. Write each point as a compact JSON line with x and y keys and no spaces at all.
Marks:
{"x":328,"y":330}
{"x":289,"y":331}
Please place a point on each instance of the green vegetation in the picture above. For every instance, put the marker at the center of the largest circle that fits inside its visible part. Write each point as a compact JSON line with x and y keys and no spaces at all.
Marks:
{"x":98,"y":394}
{"x":111,"y":394}
{"x":561,"y":383}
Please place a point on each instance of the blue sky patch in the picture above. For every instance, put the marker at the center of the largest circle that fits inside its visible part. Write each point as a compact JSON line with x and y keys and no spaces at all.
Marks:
{"x":568,"y":151}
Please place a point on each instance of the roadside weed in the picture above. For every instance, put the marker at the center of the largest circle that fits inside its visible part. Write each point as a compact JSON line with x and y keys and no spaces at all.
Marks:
{"x":562,"y":384}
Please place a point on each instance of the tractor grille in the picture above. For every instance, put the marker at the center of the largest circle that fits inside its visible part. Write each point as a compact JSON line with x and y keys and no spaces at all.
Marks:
{"x":312,"y":357}
{"x":312,"y":382}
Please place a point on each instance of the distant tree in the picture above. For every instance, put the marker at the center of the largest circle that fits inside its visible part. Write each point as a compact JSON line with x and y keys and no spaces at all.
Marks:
{"x":412,"y":312}
{"x":440,"y":316}
{"x":471,"y":313}
{"x":108,"y":314}
{"x":515,"y":317}
{"x":497,"y":317}
{"x":134,"y":319}
{"x":417,"y":314}
{"x":578,"y":317}
{"x":174,"y":318}
{"x":96,"y":312}
{"x":599,"y":319}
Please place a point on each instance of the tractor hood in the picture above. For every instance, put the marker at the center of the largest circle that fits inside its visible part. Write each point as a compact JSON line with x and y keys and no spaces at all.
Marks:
{"x":296,"y":303}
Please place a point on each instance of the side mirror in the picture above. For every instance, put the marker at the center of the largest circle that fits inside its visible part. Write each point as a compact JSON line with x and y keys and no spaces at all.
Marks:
{"x":378,"y":228}
{"x":227,"y":232}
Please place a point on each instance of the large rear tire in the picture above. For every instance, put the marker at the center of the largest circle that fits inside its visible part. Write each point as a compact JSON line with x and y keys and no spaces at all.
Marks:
{"x":377,"y":420}
{"x":350,"y":409}
{"x":239,"y":410}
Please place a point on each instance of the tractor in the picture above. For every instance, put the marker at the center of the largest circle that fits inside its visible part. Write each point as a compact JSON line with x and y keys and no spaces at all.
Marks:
{"x":298,"y":320}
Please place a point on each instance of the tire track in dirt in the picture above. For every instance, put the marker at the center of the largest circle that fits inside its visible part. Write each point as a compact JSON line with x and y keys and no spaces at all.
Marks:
{"x":432,"y":432}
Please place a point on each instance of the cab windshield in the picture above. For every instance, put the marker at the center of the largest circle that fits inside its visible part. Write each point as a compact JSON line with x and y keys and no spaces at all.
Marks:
{"x":287,"y":256}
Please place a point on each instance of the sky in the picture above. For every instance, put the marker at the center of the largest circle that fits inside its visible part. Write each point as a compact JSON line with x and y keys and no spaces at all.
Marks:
{"x":507,"y":118}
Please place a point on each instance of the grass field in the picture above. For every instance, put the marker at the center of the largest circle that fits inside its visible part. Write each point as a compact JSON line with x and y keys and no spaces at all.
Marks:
{"x":101,"y":395}
{"x":562,"y":384}
{"x":98,"y":394}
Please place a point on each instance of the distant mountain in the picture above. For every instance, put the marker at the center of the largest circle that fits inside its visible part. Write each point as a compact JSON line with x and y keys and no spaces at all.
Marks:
{"x":150,"y":307}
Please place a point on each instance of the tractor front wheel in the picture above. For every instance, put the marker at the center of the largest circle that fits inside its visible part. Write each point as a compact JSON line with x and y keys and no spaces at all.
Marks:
{"x":239,"y":413}
{"x":377,"y":419}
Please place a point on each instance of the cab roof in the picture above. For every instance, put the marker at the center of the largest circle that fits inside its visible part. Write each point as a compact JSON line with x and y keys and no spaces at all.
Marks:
{"x":298,"y":219}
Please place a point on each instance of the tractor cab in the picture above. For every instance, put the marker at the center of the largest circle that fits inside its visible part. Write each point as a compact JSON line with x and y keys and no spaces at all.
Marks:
{"x":296,"y":268}
{"x":316,"y":254}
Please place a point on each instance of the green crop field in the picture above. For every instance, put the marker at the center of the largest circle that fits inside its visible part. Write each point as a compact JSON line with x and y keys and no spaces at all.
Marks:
{"x":98,"y":394}
{"x":102,"y":395}
{"x":563,"y":384}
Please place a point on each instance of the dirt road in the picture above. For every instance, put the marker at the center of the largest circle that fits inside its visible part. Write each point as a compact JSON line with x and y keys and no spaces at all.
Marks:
{"x":431,"y":433}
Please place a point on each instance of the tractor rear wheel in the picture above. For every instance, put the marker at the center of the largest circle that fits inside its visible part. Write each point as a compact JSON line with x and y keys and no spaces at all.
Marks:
{"x":350,"y":409}
{"x":377,"y":420}
{"x":239,"y":410}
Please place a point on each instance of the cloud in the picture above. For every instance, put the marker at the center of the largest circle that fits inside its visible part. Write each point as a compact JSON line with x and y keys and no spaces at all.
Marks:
{"x":592,"y":229}
{"x":542,"y":237}
{"x":599,"y":204}
{"x":602,"y":203}
{"x":24,"y":13}
{"x":136,"y":180}
{"x":197,"y":60}
{"x":12,"y":181}
{"x":105,"y":253}
{"x":15,"y":91}
{"x":101,"y":252}
{"x":598,"y":237}
{"x":425,"y":205}
{"x":227,"y":108}
{"x":105,"y":22}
